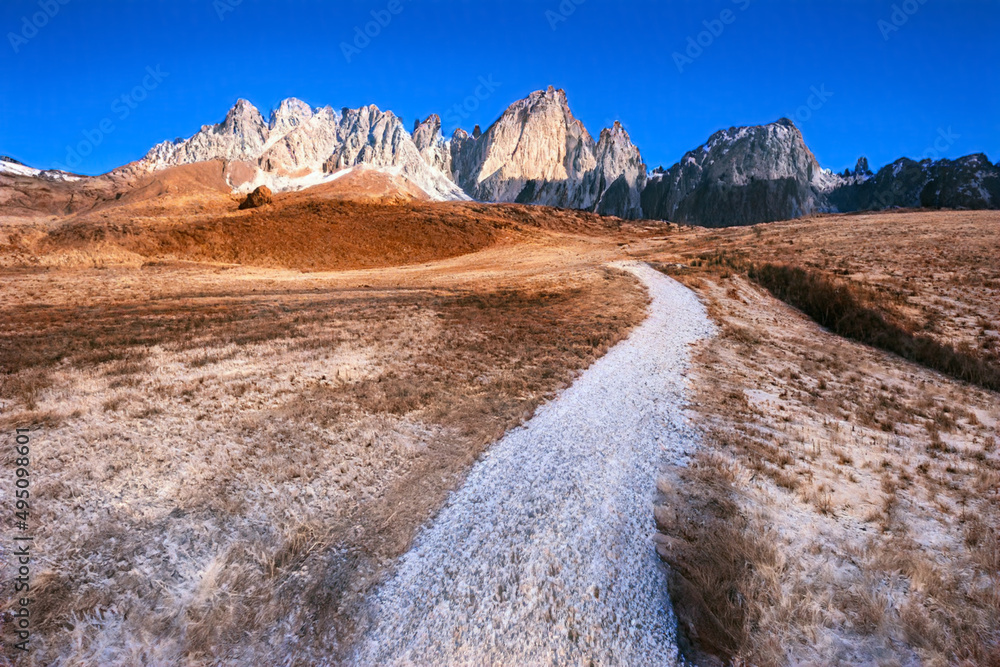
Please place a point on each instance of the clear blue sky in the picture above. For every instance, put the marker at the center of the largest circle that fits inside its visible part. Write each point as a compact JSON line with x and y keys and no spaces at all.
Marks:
{"x":888,"y":97}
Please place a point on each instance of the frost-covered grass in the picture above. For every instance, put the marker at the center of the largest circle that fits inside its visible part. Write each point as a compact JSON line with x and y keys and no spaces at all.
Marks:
{"x":846,"y":509}
{"x":224,"y":460}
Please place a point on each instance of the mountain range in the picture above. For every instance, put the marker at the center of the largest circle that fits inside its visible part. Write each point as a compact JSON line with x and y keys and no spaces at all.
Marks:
{"x":537,"y":152}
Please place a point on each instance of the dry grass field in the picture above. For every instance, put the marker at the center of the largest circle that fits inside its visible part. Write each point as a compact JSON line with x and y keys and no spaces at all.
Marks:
{"x":240,"y":419}
{"x":226,"y":458}
{"x":939,"y":271}
{"x":846,"y":508}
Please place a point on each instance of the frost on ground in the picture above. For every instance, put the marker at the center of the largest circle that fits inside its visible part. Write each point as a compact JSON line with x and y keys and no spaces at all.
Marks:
{"x":544,"y":555}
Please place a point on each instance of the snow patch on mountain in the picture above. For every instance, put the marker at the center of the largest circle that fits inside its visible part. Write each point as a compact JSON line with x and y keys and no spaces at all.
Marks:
{"x":15,"y":168}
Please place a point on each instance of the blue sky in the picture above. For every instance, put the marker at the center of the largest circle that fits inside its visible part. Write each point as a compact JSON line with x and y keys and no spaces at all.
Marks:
{"x":927,"y":74}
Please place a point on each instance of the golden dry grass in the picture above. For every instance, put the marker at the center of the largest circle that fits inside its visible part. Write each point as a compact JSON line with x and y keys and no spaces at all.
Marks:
{"x":939,"y":270}
{"x":181,"y":215}
{"x":233,"y":456}
{"x":853,"y":495}
{"x":227,"y":459}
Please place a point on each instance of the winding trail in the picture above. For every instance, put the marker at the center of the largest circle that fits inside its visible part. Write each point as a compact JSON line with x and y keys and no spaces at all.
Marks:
{"x":544,"y":557}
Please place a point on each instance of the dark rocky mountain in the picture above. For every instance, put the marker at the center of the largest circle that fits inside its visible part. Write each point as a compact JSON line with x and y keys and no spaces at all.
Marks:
{"x":741,"y":176}
{"x":969,"y":182}
{"x":747,"y":175}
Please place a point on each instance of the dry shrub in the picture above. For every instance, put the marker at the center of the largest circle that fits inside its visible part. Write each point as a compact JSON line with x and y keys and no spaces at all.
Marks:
{"x":724,"y":565}
{"x":862,"y":315}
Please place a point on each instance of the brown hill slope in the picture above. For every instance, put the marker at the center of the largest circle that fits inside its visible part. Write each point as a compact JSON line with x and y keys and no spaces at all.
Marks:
{"x":297,"y":231}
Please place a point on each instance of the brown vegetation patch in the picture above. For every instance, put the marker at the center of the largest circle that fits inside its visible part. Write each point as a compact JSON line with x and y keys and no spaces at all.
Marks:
{"x":856,"y":312}
{"x":226,"y":464}
{"x":863,"y":472}
{"x":875,"y":480}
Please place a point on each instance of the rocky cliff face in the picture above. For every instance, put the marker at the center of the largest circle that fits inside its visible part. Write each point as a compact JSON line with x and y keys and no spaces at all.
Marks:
{"x":620,"y":176}
{"x":747,"y":175}
{"x":377,"y":138}
{"x":241,"y":136}
{"x":538,"y":141}
{"x":741,"y":176}
{"x":432,"y":146}
{"x":537,"y":152}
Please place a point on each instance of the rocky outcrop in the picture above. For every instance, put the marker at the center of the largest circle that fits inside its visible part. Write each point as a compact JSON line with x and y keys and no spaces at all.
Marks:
{"x":741,"y":176}
{"x":620,"y":175}
{"x":536,"y":152}
{"x":432,"y":145}
{"x":306,"y":147}
{"x":290,"y":114}
{"x":259,"y":197}
{"x":376,"y":138}
{"x":241,"y":136}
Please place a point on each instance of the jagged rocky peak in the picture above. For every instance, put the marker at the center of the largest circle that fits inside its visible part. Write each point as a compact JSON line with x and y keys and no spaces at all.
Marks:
{"x":860,"y":173}
{"x":762,"y":152}
{"x":378,"y":138}
{"x":432,"y":146}
{"x":242,"y":135}
{"x":245,"y":121}
{"x":301,"y":146}
{"x":427,"y":132}
{"x":306,"y":144}
{"x":620,"y":174}
{"x":536,"y":152}
{"x":969,"y":182}
{"x":290,"y":114}
{"x":615,"y":148}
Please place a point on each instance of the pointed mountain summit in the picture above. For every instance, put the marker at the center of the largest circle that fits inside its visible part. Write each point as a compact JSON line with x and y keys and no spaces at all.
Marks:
{"x":240,"y":136}
{"x":290,"y":114}
{"x":537,"y":152}
{"x":536,"y":140}
{"x":620,"y":175}
{"x":432,"y":146}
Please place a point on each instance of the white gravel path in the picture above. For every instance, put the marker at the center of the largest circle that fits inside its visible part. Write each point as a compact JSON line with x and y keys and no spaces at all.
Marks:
{"x":544,"y":556}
